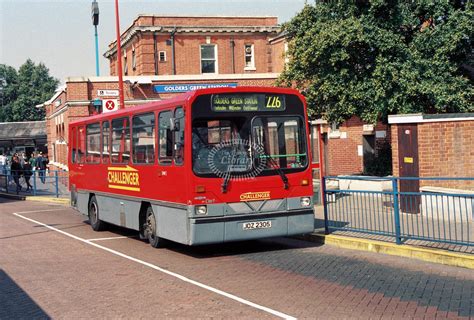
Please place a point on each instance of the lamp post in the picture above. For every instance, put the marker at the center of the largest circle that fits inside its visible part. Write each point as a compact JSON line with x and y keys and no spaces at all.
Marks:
{"x":95,"y":22}
{"x":119,"y":57}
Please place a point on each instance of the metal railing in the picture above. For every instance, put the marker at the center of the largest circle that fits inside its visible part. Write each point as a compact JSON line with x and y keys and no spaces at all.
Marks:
{"x":40,"y":183}
{"x":377,"y":206}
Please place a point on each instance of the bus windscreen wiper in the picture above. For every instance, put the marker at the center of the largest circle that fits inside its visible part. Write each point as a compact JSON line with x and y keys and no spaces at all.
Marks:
{"x":283,"y":176}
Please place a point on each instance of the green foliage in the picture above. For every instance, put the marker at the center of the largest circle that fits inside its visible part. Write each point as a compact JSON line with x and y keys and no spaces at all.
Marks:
{"x":21,"y":91}
{"x":372,"y":58}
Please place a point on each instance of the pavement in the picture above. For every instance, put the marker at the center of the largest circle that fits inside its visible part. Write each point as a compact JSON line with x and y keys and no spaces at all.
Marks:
{"x":52,"y":265}
{"x":340,"y":239}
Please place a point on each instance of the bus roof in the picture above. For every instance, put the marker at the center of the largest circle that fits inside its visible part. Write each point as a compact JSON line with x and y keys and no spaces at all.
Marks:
{"x":181,"y":99}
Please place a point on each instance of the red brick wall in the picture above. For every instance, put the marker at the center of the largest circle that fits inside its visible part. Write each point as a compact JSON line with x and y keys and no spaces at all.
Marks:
{"x":342,"y":153}
{"x":445,"y":149}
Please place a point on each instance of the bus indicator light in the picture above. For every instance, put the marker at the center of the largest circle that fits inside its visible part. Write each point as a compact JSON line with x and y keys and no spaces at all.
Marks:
{"x":200,"y":189}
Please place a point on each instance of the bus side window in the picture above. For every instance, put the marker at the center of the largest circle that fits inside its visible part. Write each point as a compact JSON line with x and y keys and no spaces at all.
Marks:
{"x":105,"y":142}
{"x":93,"y":143}
{"x":81,"y":144}
{"x":165,"y":138}
{"x":179,"y":136}
{"x":143,"y":138}
{"x":120,"y":140}
{"x":73,"y":142}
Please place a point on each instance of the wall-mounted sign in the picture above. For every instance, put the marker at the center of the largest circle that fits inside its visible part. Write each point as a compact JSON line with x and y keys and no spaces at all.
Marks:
{"x":185,"y":87}
{"x":109,"y":105}
{"x":408,"y":160}
{"x":107,"y":93}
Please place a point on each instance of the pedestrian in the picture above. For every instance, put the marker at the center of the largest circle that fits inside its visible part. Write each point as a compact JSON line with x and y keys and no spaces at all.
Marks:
{"x":16,"y":171}
{"x":27,"y":173}
{"x":41,"y":165}
{"x":33,"y":161}
{"x":3,"y":163}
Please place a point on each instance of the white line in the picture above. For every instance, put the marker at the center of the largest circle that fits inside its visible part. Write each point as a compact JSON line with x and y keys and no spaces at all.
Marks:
{"x":109,"y":238}
{"x":176,"y":275}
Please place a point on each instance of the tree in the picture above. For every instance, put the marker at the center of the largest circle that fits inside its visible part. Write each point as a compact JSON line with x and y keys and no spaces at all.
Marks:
{"x":24,"y":90}
{"x":372,"y":58}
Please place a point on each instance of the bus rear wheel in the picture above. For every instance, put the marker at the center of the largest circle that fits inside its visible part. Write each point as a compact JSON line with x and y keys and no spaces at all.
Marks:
{"x":150,"y":229}
{"x":96,"y":223}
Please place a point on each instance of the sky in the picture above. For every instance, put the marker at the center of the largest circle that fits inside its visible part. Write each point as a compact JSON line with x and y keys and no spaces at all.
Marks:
{"x":60,"y":33}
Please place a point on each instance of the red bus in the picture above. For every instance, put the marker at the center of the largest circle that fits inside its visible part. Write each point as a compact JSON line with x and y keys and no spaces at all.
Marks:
{"x":208,"y":166}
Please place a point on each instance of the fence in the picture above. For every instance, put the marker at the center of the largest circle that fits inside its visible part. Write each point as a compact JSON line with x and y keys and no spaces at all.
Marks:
{"x":43,"y":183}
{"x":429,"y":214}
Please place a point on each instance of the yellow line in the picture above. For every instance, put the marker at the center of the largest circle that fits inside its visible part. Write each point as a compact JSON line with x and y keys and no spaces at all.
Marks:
{"x":123,"y":188}
{"x":64,"y":201}
{"x":430,"y":255}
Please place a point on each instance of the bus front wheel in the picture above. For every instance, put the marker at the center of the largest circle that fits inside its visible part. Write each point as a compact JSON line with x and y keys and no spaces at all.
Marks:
{"x":150,"y":229}
{"x":96,"y":223}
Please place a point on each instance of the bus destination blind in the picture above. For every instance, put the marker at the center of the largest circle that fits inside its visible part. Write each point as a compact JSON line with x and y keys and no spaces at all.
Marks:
{"x":248,"y":102}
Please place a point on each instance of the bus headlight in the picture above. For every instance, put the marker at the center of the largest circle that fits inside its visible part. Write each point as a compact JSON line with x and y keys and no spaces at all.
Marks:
{"x":305,"y":201}
{"x":201,"y":210}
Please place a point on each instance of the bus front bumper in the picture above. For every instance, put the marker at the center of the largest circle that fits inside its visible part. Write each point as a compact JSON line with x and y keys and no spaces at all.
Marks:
{"x":237,"y":228}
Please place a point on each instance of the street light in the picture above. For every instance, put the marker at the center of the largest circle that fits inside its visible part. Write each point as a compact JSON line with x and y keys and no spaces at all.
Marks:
{"x":95,"y":22}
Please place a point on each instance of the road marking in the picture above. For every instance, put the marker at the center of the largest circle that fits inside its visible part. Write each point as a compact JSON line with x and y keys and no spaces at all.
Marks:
{"x":109,"y":238}
{"x":173,"y":274}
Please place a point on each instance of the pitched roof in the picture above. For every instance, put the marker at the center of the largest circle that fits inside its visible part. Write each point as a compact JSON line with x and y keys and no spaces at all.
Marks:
{"x":22,"y":130}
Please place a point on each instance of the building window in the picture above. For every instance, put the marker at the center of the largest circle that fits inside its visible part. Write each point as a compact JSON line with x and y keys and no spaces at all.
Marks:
{"x":162,"y":56}
{"x":134,"y":60}
{"x":287,"y":59}
{"x":125,"y":64}
{"x":143,"y":138}
{"x":208,"y":58}
{"x":120,"y":140}
{"x":93,"y":143}
{"x":249,"y":57}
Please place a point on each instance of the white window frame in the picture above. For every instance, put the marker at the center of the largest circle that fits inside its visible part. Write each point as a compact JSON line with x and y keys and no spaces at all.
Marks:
{"x":216,"y":69}
{"x":252,"y":62}
{"x":159,"y":56}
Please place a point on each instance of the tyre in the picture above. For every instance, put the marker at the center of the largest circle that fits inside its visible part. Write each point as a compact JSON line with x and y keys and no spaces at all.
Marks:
{"x":149,"y":229}
{"x":96,"y":223}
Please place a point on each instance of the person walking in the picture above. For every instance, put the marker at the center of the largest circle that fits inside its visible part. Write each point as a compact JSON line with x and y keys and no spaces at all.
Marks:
{"x":27,"y":173}
{"x":41,"y":165}
{"x":16,"y":171}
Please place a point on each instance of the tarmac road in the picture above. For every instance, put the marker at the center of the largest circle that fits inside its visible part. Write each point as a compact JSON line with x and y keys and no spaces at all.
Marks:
{"x":52,"y":265}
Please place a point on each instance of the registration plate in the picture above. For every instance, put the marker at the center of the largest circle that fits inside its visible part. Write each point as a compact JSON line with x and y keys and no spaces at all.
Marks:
{"x":257,"y":225}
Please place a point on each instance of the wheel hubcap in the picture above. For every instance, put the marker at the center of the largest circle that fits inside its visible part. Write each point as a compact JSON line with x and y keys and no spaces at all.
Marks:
{"x":150,"y":226}
{"x":93,"y":213}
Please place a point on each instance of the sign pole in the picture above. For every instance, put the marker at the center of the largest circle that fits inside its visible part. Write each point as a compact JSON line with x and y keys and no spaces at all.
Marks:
{"x":119,"y":57}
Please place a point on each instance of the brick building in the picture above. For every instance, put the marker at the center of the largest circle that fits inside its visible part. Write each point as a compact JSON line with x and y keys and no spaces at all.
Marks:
{"x":438,"y":145}
{"x":176,"y":45}
{"x":350,"y":147}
